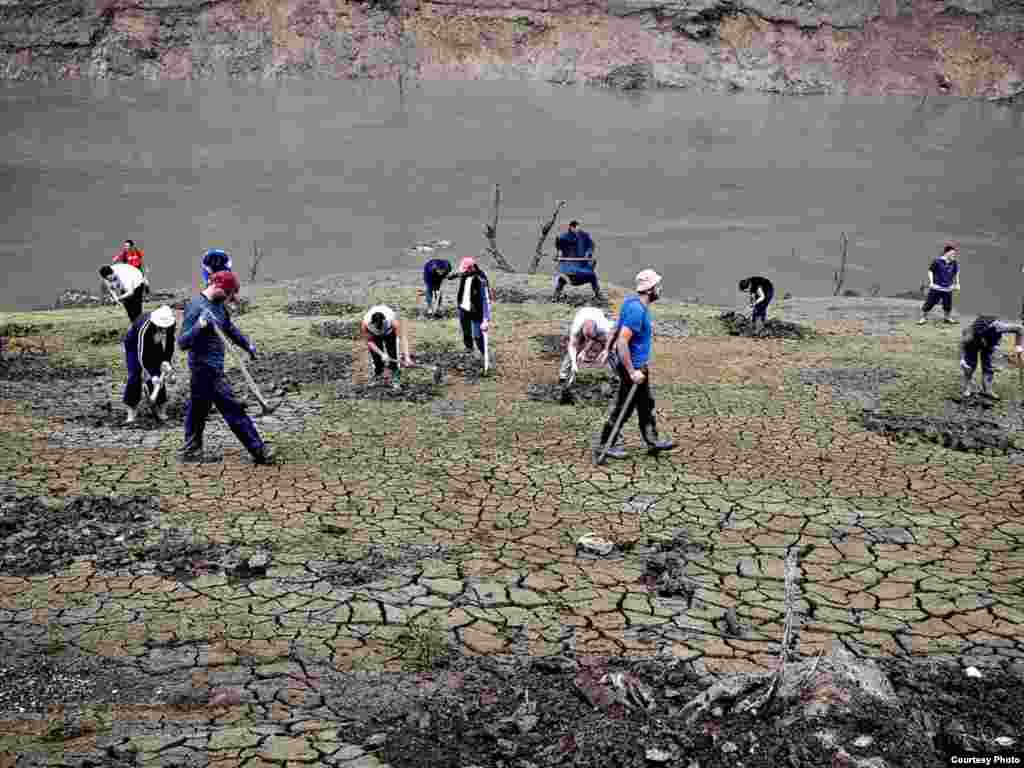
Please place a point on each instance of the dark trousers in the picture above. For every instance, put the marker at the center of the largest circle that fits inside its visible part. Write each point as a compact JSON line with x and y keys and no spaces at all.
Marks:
{"x":136,"y":375}
{"x":389,"y":344}
{"x":210,"y":388}
{"x":133,"y":304}
{"x":934,"y":297}
{"x":643,"y":402}
{"x":577,"y":278}
{"x":470,"y":331}
{"x":760,"y":311}
{"x":969,"y":353}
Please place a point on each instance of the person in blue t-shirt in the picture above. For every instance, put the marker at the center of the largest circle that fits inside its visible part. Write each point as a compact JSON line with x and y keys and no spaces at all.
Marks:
{"x":943,"y":279}
{"x":632,"y":353}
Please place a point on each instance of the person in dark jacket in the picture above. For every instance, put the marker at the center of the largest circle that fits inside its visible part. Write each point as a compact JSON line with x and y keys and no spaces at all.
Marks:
{"x":982,"y":338}
{"x":149,"y":356}
{"x":577,"y":247}
{"x":943,"y":279}
{"x":435,"y":272}
{"x":473,"y":298}
{"x":206,"y":360}
{"x":761,"y":293}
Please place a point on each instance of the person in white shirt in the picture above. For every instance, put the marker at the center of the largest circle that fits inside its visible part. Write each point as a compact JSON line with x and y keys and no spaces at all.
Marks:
{"x":127,"y":285}
{"x":590,"y":339}
{"x":381,"y":329}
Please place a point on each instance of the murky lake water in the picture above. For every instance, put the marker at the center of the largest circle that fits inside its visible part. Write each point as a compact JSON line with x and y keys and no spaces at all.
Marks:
{"x":338,"y":176}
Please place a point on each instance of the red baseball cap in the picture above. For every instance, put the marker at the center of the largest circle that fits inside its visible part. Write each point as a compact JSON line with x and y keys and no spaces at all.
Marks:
{"x":226,"y":281}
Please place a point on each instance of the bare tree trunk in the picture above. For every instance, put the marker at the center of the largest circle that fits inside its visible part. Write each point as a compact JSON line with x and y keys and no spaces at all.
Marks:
{"x":840,"y":274}
{"x":491,"y":233}
{"x":257,"y":258}
{"x":539,"y":254}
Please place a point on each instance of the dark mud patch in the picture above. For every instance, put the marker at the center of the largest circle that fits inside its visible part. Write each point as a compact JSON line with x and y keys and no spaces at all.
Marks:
{"x":445,"y":313}
{"x":39,"y":538}
{"x":337,"y":329}
{"x":11,"y":330}
{"x":313,"y":307}
{"x":964,"y":434}
{"x":105,"y":336}
{"x":376,"y":563}
{"x":665,"y":569}
{"x":38,"y":368}
{"x":582,"y":298}
{"x":592,"y":393}
{"x":672,"y":329}
{"x":739,"y":325}
{"x":562,"y":711}
{"x":288,"y":370}
{"x":411,"y":392}
{"x":552,"y":345}
{"x":448,"y":360}
{"x":858,"y":384}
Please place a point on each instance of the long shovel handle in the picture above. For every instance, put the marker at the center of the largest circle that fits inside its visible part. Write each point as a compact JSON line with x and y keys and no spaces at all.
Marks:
{"x":487,"y":363}
{"x":618,"y":422}
{"x":267,"y":408}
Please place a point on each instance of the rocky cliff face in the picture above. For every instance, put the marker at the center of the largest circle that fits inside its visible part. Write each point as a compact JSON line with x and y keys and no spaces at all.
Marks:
{"x":969,"y":48}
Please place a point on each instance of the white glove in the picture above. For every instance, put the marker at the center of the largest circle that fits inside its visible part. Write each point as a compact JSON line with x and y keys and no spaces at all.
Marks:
{"x":202,"y":322}
{"x":1019,"y":350}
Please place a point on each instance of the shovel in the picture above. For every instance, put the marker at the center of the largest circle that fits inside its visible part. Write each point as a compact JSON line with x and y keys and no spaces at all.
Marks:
{"x":267,"y":407}
{"x":618,"y":423}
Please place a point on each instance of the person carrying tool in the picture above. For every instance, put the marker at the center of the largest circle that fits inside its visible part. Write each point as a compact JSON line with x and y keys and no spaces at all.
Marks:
{"x":630,"y":358}
{"x":209,"y":387}
{"x":761,"y":293}
{"x":435,"y":272}
{"x":576,"y":261}
{"x":214,"y":260}
{"x":382,"y":331}
{"x":473,"y":298}
{"x":982,"y":337}
{"x":149,"y":357}
{"x":590,"y":341}
{"x":127,"y":285}
{"x":131,"y":255}
{"x":943,"y":279}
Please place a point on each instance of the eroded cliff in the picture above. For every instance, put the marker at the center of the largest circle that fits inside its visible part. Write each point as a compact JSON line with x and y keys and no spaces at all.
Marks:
{"x":969,"y":48}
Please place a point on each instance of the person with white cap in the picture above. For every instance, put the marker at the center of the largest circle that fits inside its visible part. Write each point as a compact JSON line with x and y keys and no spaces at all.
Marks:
{"x":382,"y":331}
{"x":473,"y":298}
{"x":631,"y":355}
{"x":149,"y":356}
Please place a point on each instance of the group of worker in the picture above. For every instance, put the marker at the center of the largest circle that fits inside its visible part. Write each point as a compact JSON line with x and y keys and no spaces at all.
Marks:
{"x":594,"y":340}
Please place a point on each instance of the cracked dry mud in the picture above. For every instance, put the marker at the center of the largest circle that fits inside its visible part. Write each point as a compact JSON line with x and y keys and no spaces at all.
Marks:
{"x":406,"y":588}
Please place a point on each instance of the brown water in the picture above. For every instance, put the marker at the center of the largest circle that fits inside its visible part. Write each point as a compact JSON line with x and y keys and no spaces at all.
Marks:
{"x":338,"y":176}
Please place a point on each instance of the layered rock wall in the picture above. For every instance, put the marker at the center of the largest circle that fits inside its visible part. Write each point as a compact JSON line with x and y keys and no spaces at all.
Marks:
{"x":972,"y":48}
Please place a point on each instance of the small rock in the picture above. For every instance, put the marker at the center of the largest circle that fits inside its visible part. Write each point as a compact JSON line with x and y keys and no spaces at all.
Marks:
{"x":588,"y":542}
{"x":717,"y":712}
{"x":973,"y":672}
{"x":656,"y":755}
{"x":1005,"y":741}
{"x":863,"y":742}
{"x":377,"y":740}
{"x":508,"y":748}
{"x":259,"y":561}
{"x":527,"y":723}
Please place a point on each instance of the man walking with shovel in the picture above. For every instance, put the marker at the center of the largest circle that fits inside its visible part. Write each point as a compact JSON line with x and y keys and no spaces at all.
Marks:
{"x":149,"y":354}
{"x":204,"y":316}
{"x":632,"y":352}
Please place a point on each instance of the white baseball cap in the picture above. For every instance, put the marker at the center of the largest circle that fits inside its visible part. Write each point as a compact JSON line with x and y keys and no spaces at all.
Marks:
{"x":162,"y":317}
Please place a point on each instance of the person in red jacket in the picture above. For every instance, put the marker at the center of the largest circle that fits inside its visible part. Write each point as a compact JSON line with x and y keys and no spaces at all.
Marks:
{"x":131,"y":255}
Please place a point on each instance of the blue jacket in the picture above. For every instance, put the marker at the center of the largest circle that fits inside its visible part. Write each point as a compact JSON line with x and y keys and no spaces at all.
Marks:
{"x":575,"y":245}
{"x":428,"y":272}
{"x":203,"y":344}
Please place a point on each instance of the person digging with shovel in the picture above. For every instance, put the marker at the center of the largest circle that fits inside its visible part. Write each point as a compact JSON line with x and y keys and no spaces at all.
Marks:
{"x":435,"y":272}
{"x":590,"y":342}
{"x":203,"y":316}
{"x":149,"y":357}
{"x":761,"y":293}
{"x":632,"y":353}
{"x":127,"y":285}
{"x":382,"y":332}
{"x":982,"y":338}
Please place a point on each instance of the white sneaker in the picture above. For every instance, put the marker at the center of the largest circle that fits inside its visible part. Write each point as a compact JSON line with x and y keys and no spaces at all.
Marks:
{"x":922,"y":321}
{"x":130,"y":417}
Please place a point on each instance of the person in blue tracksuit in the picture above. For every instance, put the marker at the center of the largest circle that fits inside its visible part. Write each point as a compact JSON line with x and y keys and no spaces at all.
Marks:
{"x":149,"y":355}
{"x":215,"y":260}
{"x":575,"y":244}
{"x":435,"y":272}
{"x":943,"y":279}
{"x":209,"y":388}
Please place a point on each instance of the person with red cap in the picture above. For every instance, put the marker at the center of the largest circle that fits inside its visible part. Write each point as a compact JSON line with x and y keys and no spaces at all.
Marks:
{"x":632,"y":351}
{"x":943,"y":279}
{"x":209,"y":387}
{"x":473,"y":298}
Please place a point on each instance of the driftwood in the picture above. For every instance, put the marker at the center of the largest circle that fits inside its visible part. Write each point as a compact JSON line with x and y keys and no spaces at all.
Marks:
{"x":538,"y":254}
{"x":840,"y":274}
{"x":257,"y":259}
{"x":491,"y":233}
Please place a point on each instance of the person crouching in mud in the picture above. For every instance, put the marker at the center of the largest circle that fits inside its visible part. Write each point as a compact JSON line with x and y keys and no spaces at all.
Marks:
{"x":209,"y":387}
{"x":982,"y":337}
{"x":382,"y":330}
{"x":149,"y":357}
{"x":590,"y":341}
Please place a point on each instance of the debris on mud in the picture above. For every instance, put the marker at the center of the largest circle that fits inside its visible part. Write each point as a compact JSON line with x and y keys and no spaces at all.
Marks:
{"x":739,"y":325}
{"x":337,"y":329}
{"x":72,"y":299}
{"x":105,"y":336}
{"x":19,"y":329}
{"x":311,"y":307}
{"x":665,"y":571}
{"x":41,"y":369}
{"x":577,"y":299}
{"x":594,"y":393}
{"x":289,"y":369}
{"x":375,"y":565}
{"x":964,"y":434}
{"x":552,"y":345}
{"x":38,"y":538}
{"x":446,"y":312}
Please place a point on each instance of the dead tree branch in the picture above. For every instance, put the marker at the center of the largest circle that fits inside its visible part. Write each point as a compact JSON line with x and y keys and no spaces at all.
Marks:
{"x":257,"y":259}
{"x":538,"y":254}
{"x":491,"y":233}
{"x":840,"y":274}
